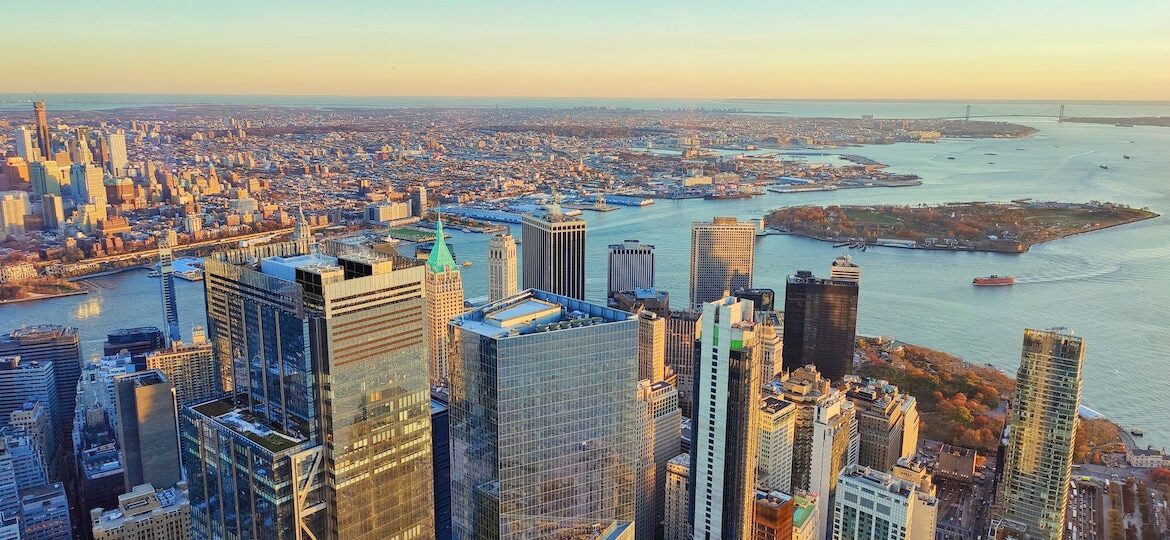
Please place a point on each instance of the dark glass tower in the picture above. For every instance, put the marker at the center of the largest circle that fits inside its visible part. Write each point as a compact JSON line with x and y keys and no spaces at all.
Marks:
{"x":820,"y":324}
{"x":554,"y":253}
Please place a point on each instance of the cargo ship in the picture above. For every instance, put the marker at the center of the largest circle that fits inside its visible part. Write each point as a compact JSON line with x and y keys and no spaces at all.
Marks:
{"x":993,"y":281}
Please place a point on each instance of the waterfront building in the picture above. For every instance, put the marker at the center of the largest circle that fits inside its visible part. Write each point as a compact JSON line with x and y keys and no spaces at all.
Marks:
{"x":777,"y":428}
{"x":887,"y":422}
{"x":545,"y":424}
{"x":652,"y":300}
{"x":722,"y":258}
{"x":45,"y":177}
{"x":441,"y":463}
{"x":166,"y":268}
{"x":60,"y":345}
{"x":44,"y":513}
{"x":33,"y":421}
{"x":137,"y":342}
{"x":444,"y":301}
{"x":116,"y":161}
{"x":554,"y":253}
{"x":834,"y":447}
{"x":44,"y":140}
{"x":772,"y":516}
{"x":145,"y":513}
{"x":682,"y":329}
{"x":873,"y":505}
{"x":844,"y":269}
{"x":148,"y":433}
{"x":323,"y":349}
{"x":631,"y":266}
{"x":502,"y":278}
{"x":677,"y":521}
{"x":1041,"y":426}
{"x":820,"y":324}
{"x":663,"y":441}
{"x":727,"y":394}
{"x":190,"y":368}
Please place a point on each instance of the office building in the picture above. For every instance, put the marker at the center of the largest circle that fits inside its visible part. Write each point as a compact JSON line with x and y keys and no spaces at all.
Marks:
{"x":50,"y":343}
{"x":677,"y":521}
{"x":145,"y":513}
{"x":873,"y":505}
{"x":441,"y":463}
{"x":762,"y":299}
{"x":148,"y":433}
{"x":190,"y":368}
{"x":727,"y":394}
{"x":387,"y":212}
{"x":79,"y":151}
{"x":444,"y":300}
{"x":772,"y":344}
{"x":45,"y":513}
{"x":682,"y":329}
{"x":53,"y":212}
{"x":820,"y":324}
{"x":1042,"y":424}
{"x":834,"y":447}
{"x":777,"y":428}
{"x":651,"y":347}
{"x":324,"y":352}
{"x":137,"y":342}
{"x":805,"y":389}
{"x":554,"y":253}
{"x":722,"y":258}
{"x":26,"y":148}
{"x":502,"y":278}
{"x":22,"y":382}
{"x":844,"y":269}
{"x":20,"y":469}
{"x":663,"y":442}
{"x":804,"y":512}
{"x":418,"y":201}
{"x":631,"y":266}
{"x":9,"y":528}
{"x":101,"y":474}
{"x":32,"y":421}
{"x":13,"y":208}
{"x":45,"y":177}
{"x":116,"y":160}
{"x":166,"y":269}
{"x":652,"y":300}
{"x":887,"y":422}
{"x":545,"y":424}
{"x":44,"y":141}
{"x":772,"y":517}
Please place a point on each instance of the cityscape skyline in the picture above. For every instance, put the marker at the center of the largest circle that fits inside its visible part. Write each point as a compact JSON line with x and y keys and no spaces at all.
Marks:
{"x":1088,"y":51}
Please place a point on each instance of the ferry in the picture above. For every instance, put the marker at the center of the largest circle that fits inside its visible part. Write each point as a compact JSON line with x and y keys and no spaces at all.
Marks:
{"x":1104,"y":166}
{"x":993,"y":281}
{"x":466,"y":263}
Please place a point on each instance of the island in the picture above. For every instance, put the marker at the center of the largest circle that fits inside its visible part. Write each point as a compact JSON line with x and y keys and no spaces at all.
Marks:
{"x":969,"y":226}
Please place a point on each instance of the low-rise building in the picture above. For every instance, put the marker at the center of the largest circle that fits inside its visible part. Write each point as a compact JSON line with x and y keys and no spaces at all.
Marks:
{"x":145,"y":513}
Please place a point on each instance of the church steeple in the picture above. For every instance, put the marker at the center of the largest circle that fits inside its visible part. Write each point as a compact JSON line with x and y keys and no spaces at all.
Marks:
{"x":301,"y":231}
{"x":440,"y":259}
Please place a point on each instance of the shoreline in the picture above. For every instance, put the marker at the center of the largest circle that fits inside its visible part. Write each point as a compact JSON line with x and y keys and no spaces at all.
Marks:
{"x":38,"y":296}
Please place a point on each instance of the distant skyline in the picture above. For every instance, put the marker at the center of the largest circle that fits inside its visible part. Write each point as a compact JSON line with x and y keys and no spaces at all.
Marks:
{"x":907,"y":49}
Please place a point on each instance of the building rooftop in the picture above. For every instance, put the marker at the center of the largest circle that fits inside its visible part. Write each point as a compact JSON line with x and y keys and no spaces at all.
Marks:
{"x":773,"y":405}
{"x":804,"y":506}
{"x":243,"y":422}
{"x":536,"y":311}
{"x":41,"y":332}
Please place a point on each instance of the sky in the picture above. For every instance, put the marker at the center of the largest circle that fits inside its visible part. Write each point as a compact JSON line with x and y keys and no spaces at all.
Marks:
{"x":818,"y":49}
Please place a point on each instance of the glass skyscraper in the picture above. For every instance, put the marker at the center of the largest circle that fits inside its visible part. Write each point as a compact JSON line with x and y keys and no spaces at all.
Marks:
{"x":325,"y":432}
{"x":820,"y":323}
{"x":544,"y":418}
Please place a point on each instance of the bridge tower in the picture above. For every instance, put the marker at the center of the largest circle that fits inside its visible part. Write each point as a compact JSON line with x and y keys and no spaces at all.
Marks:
{"x":967,"y":117}
{"x":1060,"y":117}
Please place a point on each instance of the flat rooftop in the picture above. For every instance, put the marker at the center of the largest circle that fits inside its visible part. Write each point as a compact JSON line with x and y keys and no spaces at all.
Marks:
{"x":286,"y":267}
{"x":242,"y":422}
{"x":536,"y":311}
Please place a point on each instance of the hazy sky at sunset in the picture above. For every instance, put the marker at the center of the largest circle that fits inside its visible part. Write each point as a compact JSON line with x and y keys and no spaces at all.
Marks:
{"x":940,"y":49}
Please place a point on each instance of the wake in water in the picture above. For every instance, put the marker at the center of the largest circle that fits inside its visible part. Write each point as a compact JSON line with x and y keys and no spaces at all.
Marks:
{"x":1070,"y":277}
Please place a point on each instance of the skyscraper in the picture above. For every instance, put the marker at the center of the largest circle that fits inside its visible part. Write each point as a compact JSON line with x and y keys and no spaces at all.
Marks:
{"x":502,"y":278}
{"x":418,"y":201}
{"x":148,"y":433}
{"x":53,"y":212}
{"x":887,"y":422}
{"x":873,"y":505}
{"x":116,"y":148}
{"x":45,"y":178}
{"x":651,"y":347}
{"x":834,"y":447}
{"x":1042,"y":423}
{"x":25,"y":147}
{"x":324,"y":352}
{"x":544,"y":417}
{"x":682,"y":329}
{"x":554,"y":253}
{"x":677,"y":521}
{"x":60,"y":345}
{"x":44,"y":142}
{"x":663,"y":441}
{"x":166,"y":268}
{"x":13,"y":207}
{"x":723,"y":449}
{"x":844,"y":269}
{"x":777,"y":428}
{"x":444,"y":294}
{"x":723,"y":254}
{"x":190,"y":367}
{"x":820,"y":324}
{"x":87,"y":181}
{"x":631,"y":266}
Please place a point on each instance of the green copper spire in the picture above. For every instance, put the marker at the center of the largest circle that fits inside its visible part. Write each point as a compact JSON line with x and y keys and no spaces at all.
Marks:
{"x":440,"y":259}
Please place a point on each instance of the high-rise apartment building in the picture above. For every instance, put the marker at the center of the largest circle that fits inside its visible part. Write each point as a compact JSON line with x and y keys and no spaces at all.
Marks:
{"x":545,"y":424}
{"x":682,"y":329}
{"x":1042,"y":423}
{"x":502,"y":278}
{"x":166,"y":268}
{"x":663,"y":438}
{"x":191,"y":368}
{"x":25,"y":146}
{"x":145,"y":513}
{"x":820,"y":324}
{"x":116,"y":160}
{"x":873,"y":505}
{"x":45,"y":177}
{"x":723,"y":254}
{"x":723,"y":448}
{"x":777,"y":429}
{"x":53,"y":212}
{"x":444,"y":294}
{"x":677,"y":520}
{"x":651,"y":347}
{"x":772,"y":516}
{"x":13,"y":208}
{"x":50,"y":343}
{"x":844,"y":269}
{"x":148,"y":432}
{"x":631,"y":266}
{"x":44,"y":141}
{"x":554,"y":253}
{"x":834,"y":447}
{"x":329,"y":406}
{"x":887,"y":422}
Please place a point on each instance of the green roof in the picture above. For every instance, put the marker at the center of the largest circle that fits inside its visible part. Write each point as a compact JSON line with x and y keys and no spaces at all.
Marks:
{"x":440,"y":259}
{"x":803,"y":508}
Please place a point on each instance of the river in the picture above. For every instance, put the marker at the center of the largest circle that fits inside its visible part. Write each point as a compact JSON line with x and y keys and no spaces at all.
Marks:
{"x":1112,"y":287}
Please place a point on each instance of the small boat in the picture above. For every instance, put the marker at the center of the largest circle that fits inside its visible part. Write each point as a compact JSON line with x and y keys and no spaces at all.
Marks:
{"x":466,"y":263}
{"x":1136,"y":432}
{"x":993,"y":281}
{"x":842,"y":244}
{"x":952,"y":157}
{"x":1104,"y":166}
{"x":1126,"y":157}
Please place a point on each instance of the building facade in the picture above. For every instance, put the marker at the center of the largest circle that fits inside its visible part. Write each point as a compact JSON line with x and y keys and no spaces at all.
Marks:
{"x":502,"y":277}
{"x":887,"y":422}
{"x":722,"y":258}
{"x":820,"y":324}
{"x":631,"y":266}
{"x":777,"y":429}
{"x":772,"y":517}
{"x":677,"y":520}
{"x":60,"y":345}
{"x":554,"y":253}
{"x":190,"y":368}
{"x":148,"y":432}
{"x":682,"y":329}
{"x":663,"y":438}
{"x":873,"y":505}
{"x":444,"y":294}
{"x":145,"y":513}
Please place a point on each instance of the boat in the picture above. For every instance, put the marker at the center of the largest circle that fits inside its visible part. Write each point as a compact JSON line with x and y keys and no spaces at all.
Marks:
{"x":466,"y":263}
{"x":1104,"y":166}
{"x":842,"y":244}
{"x":952,"y":157}
{"x":1136,"y":432}
{"x":722,"y":196}
{"x":1126,"y":157}
{"x":993,"y":281}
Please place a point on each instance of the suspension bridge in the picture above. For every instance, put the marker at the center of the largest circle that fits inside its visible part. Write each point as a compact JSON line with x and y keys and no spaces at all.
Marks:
{"x":970,"y":111}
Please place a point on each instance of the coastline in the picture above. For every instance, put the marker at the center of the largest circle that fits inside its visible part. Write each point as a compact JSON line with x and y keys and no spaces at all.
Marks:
{"x":38,"y":296}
